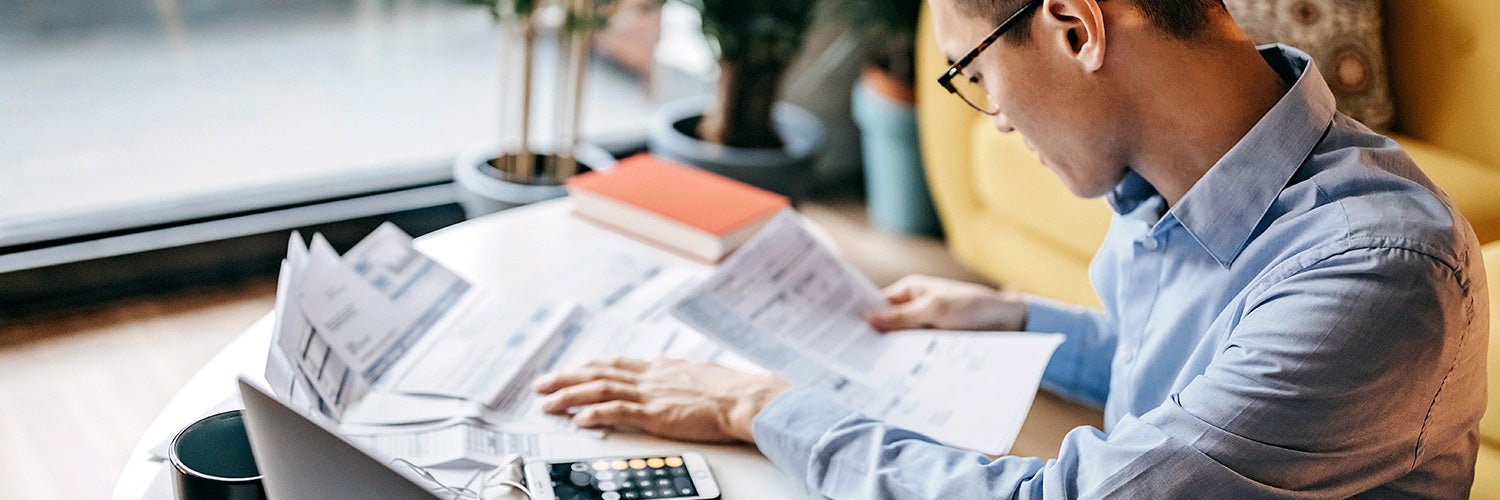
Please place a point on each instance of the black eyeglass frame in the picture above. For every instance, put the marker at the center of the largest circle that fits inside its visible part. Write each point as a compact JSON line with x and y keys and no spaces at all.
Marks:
{"x":957,"y":68}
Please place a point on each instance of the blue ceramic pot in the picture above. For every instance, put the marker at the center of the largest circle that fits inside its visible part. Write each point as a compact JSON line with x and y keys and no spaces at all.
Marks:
{"x":895,"y":183}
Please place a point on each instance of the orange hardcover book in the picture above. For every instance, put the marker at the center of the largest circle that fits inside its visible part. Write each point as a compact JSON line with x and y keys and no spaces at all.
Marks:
{"x":696,"y":212}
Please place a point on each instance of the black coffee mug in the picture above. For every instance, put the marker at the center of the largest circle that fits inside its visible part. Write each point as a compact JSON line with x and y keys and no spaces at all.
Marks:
{"x":211,"y":460}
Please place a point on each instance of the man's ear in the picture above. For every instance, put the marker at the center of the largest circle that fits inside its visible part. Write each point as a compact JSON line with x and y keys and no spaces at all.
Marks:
{"x":1081,"y":30}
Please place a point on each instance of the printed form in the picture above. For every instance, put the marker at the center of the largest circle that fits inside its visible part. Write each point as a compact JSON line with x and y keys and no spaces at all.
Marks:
{"x":787,"y":302}
{"x":624,"y":291}
{"x":411,"y":326}
{"x":302,"y":368}
{"x":385,"y":319}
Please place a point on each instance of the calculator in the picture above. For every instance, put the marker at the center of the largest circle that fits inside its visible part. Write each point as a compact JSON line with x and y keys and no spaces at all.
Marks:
{"x":678,"y":476}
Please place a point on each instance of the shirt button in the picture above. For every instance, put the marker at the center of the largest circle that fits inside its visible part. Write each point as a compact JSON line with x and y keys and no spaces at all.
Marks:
{"x":1149,"y":243}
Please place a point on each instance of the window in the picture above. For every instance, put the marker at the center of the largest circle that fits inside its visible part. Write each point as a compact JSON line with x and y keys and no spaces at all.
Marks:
{"x":124,"y":121}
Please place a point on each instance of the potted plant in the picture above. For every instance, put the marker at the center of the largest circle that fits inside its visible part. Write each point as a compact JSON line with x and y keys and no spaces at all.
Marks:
{"x":884,"y":109}
{"x":536,"y":36}
{"x":743,"y":131}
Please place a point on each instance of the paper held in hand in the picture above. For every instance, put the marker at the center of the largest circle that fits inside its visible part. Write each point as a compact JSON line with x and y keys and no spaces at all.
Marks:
{"x":789,"y":304}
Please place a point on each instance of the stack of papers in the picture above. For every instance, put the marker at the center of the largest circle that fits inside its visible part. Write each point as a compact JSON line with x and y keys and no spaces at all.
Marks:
{"x":384,"y":319}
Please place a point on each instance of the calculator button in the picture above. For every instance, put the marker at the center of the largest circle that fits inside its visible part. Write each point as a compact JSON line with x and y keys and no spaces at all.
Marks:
{"x":609,"y":495}
{"x":601,"y":465}
{"x":684,"y":484}
{"x":619,"y":465}
{"x":580,"y":478}
{"x":604,"y":476}
{"x":665,"y":493}
{"x":678,"y":471}
{"x":642,"y":473}
{"x":648,"y":493}
{"x":636,"y":463}
{"x":630,"y":495}
{"x":674,"y":461}
{"x":608,"y":486}
{"x":655,"y":463}
{"x":659,"y":472}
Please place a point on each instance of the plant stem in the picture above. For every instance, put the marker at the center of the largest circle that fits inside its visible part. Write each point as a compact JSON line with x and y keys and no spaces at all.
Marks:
{"x":506,"y":26}
{"x":526,"y":163}
{"x":747,"y":94}
{"x":582,"y":42}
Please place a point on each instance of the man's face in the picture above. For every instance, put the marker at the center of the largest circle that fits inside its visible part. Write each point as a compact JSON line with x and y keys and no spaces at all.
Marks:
{"x":1043,"y":93}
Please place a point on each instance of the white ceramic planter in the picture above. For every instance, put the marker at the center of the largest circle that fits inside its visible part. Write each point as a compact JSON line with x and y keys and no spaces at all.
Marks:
{"x":482,"y":191}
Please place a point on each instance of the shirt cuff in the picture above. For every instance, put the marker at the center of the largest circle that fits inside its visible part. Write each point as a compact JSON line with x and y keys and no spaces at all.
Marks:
{"x":788,"y":429}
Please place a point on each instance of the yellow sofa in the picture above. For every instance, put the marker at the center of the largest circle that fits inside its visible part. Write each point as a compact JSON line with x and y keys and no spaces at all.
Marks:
{"x":1009,"y":217}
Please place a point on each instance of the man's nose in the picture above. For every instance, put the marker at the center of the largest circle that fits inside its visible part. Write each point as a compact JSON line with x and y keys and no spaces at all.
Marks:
{"x":1002,"y":123}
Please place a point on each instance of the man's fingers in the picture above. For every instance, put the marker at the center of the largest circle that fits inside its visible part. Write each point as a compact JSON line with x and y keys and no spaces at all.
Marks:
{"x":619,"y":363}
{"x":588,"y":393}
{"x":901,"y":317}
{"x":612,"y":414}
{"x":903,"y":290}
{"x":550,"y":383}
{"x":900,"y":296}
{"x":617,"y":369}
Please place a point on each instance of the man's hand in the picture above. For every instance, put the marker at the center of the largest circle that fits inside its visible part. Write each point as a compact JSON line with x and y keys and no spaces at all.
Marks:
{"x":928,"y":302}
{"x":668,"y":397}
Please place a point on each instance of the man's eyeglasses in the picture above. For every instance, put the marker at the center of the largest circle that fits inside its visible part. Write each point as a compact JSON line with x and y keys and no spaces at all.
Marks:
{"x":973,"y":94}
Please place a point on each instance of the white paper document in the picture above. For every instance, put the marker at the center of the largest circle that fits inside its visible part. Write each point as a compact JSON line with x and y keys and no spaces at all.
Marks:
{"x":788,"y":303}
{"x":374,"y":304}
{"x":486,"y":343}
{"x":384,"y":317}
{"x":302,"y":368}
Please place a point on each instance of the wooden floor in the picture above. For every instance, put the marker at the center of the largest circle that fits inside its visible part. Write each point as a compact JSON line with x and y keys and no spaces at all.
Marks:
{"x":77,"y":389}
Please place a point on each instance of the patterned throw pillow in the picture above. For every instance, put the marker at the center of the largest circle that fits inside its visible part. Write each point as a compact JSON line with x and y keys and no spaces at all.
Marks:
{"x":1343,"y":37}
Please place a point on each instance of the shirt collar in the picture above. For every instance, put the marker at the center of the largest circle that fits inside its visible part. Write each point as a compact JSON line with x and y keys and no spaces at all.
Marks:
{"x":1224,"y":207}
{"x":1130,"y":193}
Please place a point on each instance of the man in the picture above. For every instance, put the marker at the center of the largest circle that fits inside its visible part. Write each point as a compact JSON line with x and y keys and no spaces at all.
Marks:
{"x":1291,"y":308}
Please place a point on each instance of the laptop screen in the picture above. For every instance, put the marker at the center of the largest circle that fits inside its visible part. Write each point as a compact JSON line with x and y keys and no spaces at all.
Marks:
{"x":300,"y":458}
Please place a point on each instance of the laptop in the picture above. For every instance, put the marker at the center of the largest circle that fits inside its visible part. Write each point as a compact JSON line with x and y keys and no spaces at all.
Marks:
{"x":302,"y":459}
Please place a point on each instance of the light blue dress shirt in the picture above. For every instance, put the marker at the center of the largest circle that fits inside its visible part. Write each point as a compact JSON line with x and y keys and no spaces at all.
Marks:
{"x":1309,"y":321}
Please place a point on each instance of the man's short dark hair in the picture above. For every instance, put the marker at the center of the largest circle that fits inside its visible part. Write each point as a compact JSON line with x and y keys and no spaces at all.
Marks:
{"x":1181,"y":19}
